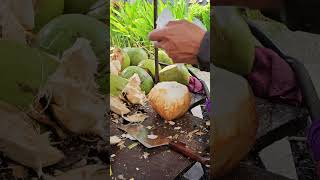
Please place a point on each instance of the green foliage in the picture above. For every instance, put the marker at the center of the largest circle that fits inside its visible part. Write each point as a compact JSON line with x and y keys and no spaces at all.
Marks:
{"x":131,"y":23}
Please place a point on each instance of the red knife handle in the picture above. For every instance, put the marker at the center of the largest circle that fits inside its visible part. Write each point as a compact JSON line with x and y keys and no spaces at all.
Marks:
{"x":183,"y":149}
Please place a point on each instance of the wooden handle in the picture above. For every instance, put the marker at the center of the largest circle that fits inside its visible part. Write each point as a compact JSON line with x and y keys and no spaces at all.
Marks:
{"x":183,"y":149}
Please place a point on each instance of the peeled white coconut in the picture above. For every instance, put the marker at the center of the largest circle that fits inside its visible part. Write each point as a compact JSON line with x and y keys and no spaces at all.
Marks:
{"x":10,"y":29}
{"x":133,"y":91}
{"x":23,"y":11}
{"x":170,"y":100}
{"x":21,"y":142}
{"x":75,"y":102}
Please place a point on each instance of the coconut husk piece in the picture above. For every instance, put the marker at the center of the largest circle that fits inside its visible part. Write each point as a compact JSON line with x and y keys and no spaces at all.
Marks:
{"x":132,"y":91}
{"x":23,"y":11}
{"x":10,"y":28}
{"x":20,"y":141}
{"x":117,"y":106}
{"x":75,"y":101}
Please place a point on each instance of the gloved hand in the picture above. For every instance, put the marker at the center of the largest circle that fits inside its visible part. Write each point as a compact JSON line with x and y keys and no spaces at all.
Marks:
{"x":180,"y":39}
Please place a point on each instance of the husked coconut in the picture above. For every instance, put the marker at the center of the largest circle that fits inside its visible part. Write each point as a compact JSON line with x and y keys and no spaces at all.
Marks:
{"x":75,"y":102}
{"x":20,"y":141}
{"x":170,"y":100}
{"x":132,"y":91}
{"x":10,"y":29}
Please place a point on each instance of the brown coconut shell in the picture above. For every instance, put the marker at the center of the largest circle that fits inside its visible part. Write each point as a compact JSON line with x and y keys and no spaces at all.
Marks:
{"x":234,"y":121}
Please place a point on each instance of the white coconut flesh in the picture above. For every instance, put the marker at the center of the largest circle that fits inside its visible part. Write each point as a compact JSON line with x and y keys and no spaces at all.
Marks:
{"x":170,"y":100}
{"x":75,"y":102}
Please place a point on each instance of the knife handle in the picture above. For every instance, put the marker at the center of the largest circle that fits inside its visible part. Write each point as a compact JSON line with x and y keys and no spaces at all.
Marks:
{"x":183,"y":149}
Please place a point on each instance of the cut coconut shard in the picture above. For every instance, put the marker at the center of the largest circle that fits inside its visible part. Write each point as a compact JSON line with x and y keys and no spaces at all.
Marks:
{"x":22,"y":143}
{"x":23,"y":11}
{"x":10,"y":29}
{"x":117,"y":106}
{"x":75,"y":102}
{"x":132,"y":91}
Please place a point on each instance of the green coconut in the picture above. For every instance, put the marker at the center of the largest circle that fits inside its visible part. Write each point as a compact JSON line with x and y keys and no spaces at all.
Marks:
{"x":46,"y":10}
{"x":175,"y":72}
{"x":23,"y":72}
{"x":146,"y":80}
{"x":61,"y":33}
{"x":149,"y":65}
{"x":163,"y":57}
{"x":136,"y":55}
{"x":117,"y":83}
{"x":78,"y":6}
{"x":235,"y":44}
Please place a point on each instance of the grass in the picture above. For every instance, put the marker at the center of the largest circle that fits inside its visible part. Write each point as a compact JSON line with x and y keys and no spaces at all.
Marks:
{"x":131,"y":23}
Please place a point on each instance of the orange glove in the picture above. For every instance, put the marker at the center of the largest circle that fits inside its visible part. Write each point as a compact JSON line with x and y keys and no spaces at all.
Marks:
{"x":180,"y":39}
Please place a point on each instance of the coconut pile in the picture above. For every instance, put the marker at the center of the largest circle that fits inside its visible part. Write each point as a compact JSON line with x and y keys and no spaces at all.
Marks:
{"x":132,"y":83}
{"x":52,"y":102}
{"x":132,"y":87}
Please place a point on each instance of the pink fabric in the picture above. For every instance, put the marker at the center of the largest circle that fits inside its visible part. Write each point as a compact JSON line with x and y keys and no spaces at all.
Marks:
{"x":195,"y":85}
{"x":272,"y":78}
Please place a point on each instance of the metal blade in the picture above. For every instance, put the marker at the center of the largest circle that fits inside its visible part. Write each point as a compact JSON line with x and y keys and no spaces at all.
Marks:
{"x":141,"y":133}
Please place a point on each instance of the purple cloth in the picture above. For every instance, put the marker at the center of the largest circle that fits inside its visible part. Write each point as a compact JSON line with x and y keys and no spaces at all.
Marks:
{"x":195,"y":85}
{"x":208,"y":105}
{"x":314,"y":139}
{"x":272,"y":78}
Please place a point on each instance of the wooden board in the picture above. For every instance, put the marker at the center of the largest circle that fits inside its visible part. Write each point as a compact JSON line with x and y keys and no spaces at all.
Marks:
{"x":162,"y":163}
